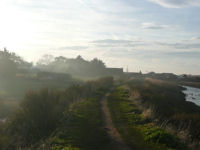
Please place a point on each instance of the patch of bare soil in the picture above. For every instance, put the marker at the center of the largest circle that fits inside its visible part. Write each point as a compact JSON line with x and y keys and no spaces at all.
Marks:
{"x":116,"y":141}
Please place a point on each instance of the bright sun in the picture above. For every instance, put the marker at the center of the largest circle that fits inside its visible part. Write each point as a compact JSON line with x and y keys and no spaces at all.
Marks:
{"x":16,"y":29}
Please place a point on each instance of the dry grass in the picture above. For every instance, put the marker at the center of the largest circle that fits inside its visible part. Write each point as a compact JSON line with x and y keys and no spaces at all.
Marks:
{"x":158,"y":82}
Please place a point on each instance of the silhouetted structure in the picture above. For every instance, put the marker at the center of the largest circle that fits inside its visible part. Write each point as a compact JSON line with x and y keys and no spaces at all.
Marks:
{"x":114,"y":71}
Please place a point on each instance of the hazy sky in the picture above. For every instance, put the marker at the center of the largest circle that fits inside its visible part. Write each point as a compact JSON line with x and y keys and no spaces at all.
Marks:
{"x":147,"y":35}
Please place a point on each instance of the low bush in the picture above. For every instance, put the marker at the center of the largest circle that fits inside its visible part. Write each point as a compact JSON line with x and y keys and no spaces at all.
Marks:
{"x":41,"y":113}
{"x":82,"y":127}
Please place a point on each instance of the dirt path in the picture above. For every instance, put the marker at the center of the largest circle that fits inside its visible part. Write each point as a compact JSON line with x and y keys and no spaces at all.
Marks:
{"x":117,"y":142}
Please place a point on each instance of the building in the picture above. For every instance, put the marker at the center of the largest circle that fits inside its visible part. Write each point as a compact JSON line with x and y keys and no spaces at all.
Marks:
{"x":114,"y":71}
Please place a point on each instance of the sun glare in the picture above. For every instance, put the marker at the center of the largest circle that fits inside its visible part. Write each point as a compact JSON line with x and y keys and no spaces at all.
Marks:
{"x":16,"y":29}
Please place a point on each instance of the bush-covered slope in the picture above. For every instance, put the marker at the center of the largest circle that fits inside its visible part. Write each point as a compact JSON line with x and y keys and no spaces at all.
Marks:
{"x":169,"y":108}
{"x":137,"y":131}
{"x":43,"y":113}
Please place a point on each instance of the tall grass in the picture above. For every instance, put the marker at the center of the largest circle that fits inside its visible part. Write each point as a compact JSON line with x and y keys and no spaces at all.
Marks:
{"x":138,"y":132}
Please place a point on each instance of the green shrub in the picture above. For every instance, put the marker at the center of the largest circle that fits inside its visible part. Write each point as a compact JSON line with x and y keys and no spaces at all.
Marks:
{"x":82,"y":127}
{"x":42,"y":113}
{"x":157,"y":135}
{"x":167,"y":102}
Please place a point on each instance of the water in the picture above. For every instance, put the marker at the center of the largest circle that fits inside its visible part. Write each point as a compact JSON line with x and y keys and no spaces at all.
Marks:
{"x":192,"y":94}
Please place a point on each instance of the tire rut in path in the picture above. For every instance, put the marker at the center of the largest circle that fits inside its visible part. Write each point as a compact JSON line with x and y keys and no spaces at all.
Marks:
{"x":116,"y":141}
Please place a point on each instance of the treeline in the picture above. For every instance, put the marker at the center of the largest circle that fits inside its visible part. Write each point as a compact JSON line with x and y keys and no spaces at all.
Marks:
{"x":169,"y":108}
{"x":43,"y":114}
{"x":52,"y":72}
{"x":11,"y":63}
{"x":17,"y":76}
{"x":74,"y":66}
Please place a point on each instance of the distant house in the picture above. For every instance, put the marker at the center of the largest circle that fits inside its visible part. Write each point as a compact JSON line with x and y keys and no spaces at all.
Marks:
{"x":168,"y":76}
{"x":163,"y":76}
{"x":114,"y":71}
{"x":133,"y":74}
{"x":191,"y":78}
{"x":150,"y":74}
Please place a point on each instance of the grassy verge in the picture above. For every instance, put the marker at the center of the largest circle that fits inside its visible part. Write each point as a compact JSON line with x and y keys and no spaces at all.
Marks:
{"x":82,"y":127}
{"x":169,"y":108}
{"x":138,"y":131}
{"x":15,"y":88}
{"x":55,"y":119}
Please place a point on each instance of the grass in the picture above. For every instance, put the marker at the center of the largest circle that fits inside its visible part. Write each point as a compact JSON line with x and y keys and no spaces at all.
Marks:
{"x":15,"y":88}
{"x":59,"y":119}
{"x":82,"y":128}
{"x":64,"y":148}
{"x":169,"y":108}
{"x":192,"y":84}
{"x":7,"y":107}
{"x":137,"y":131}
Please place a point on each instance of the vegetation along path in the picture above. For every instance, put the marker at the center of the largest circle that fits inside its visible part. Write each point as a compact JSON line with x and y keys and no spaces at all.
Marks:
{"x":116,"y":141}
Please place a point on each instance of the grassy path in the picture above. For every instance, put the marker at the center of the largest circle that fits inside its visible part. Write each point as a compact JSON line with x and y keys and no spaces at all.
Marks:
{"x":116,"y":141}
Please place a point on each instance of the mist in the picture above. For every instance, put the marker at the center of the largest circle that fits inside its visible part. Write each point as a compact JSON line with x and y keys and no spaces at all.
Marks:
{"x":100,"y":75}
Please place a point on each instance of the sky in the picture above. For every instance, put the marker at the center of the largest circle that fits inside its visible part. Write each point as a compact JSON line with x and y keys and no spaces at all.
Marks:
{"x":146,"y":35}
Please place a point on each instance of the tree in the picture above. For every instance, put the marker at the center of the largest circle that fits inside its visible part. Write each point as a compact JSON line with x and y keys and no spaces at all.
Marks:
{"x":45,"y":60}
{"x":8,"y":67}
{"x":10,"y":63}
{"x":97,"y":63}
{"x":60,"y":59}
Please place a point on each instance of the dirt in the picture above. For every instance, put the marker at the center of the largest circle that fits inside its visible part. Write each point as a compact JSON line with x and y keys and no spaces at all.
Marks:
{"x":116,"y":141}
